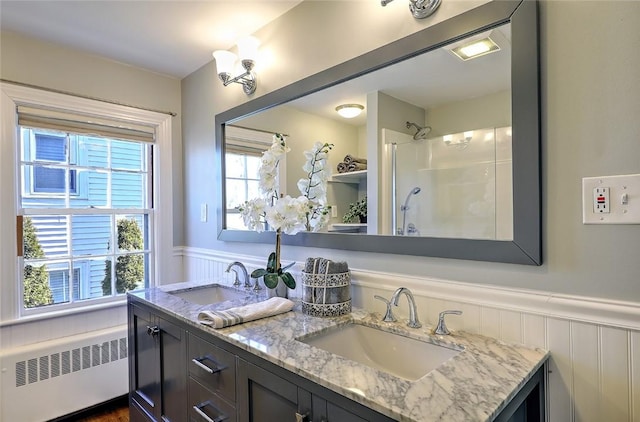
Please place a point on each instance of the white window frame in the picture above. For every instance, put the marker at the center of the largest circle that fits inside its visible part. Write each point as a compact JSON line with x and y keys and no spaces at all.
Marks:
{"x":11,"y":96}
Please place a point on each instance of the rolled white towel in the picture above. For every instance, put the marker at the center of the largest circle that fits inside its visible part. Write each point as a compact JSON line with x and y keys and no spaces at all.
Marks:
{"x":241,"y":314}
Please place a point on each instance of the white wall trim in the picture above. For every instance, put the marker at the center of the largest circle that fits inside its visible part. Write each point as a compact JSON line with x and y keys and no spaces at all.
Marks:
{"x":606,"y":312}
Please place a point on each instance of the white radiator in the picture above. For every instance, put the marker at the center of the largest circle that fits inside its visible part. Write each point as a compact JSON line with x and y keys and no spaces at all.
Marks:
{"x":47,"y":380}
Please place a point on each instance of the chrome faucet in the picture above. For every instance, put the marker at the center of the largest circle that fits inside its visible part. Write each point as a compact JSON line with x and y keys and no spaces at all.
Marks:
{"x":413,"y":312}
{"x":247,"y":282}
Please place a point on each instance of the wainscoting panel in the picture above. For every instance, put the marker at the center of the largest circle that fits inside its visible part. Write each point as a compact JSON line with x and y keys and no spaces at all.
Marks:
{"x":594,"y":369}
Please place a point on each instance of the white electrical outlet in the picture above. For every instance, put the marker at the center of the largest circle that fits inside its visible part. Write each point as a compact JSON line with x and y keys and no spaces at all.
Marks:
{"x":611,"y":199}
{"x":601,"y":200}
{"x":203,"y":212}
{"x":334,"y":211}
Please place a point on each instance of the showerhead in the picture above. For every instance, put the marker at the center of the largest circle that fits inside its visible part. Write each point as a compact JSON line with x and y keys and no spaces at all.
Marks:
{"x":421,"y":133}
{"x":413,"y":191}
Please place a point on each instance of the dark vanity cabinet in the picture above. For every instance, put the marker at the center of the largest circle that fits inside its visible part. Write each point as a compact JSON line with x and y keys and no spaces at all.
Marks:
{"x":157,"y":351}
{"x":178,"y":372}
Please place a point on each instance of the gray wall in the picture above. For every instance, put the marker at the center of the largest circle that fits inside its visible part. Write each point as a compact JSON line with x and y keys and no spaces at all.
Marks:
{"x":590,"y":127}
{"x":51,"y":66}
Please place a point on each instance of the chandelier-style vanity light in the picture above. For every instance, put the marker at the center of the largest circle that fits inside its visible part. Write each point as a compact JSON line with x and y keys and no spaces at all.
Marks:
{"x":226,"y":63}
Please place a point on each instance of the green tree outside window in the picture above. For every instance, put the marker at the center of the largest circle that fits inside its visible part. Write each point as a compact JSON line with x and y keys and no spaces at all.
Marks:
{"x":129,"y":268}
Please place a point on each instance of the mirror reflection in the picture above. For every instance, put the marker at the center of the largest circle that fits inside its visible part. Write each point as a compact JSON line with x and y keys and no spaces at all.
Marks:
{"x":429,"y":155}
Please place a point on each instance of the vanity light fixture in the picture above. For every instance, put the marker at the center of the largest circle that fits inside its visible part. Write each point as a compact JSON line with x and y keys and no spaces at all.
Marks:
{"x":420,"y":9}
{"x":226,"y":64}
{"x":349,"y":111}
{"x":475,"y":49}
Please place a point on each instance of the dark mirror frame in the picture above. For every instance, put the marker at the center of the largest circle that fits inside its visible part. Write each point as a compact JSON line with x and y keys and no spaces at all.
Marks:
{"x":526,"y":246}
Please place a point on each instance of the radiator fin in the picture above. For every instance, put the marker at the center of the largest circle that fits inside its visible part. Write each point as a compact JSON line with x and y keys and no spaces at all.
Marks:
{"x":21,"y":373}
{"x":41,"y":368}
{"x":55,"y":365}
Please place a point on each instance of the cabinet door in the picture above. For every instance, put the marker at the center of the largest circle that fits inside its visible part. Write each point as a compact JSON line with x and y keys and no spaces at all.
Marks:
{"x":173,"y":372}
{"x":144,"y":360}
{"x":265,"y":397}
{"x":324,"y":411}
{"x":157,"y":367}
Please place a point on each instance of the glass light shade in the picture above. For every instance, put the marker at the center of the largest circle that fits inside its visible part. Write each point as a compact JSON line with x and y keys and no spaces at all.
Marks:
{"x":225,"y":61}
{"x":248,"y":48}
{"x":349,"y":111}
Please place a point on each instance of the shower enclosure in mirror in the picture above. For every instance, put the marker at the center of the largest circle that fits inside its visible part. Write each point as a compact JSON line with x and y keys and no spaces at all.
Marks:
{"x":451,"y":143}
{"x":453,"y":186}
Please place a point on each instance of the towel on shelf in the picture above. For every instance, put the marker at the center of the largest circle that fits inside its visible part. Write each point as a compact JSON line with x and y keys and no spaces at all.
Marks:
{"x":342,"y":167}
{"x":325,"y":266}
{"x":355,"y":166}
{"x":348,"y":159}
{"x":242,"y":314}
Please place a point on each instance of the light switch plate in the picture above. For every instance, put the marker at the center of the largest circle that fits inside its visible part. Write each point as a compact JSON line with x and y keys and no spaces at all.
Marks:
{"x":203,"y":212}
{"x":623,"y":200}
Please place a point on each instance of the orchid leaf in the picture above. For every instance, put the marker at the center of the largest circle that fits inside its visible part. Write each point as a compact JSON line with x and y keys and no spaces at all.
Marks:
{"x":288,"y":279}
{"x":259,"y":273}
{"x":288,"y":266}
{"x":271,"y":263}
{"x":271,"y":280}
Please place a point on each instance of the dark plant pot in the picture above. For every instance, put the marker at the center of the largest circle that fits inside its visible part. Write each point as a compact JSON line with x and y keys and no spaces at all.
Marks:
{"x":363,"y":219}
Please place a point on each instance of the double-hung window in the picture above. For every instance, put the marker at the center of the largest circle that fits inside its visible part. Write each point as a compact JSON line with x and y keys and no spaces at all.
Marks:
{"x":87,"y":232}
{"x":91,"y":184}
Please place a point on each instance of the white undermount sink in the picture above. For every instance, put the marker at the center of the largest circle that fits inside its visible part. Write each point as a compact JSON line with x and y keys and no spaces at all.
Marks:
{"x":401,"y":356}
{"x":209,"y":294}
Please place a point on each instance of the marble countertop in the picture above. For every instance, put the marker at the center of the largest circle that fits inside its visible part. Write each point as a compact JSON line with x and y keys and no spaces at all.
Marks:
{"x":474,"y":385}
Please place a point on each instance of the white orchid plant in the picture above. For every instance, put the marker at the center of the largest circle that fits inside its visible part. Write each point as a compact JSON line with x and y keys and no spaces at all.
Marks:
{"x":283,"y":213}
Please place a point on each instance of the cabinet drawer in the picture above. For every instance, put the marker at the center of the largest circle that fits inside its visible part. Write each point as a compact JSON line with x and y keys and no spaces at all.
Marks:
{"x":213,"y":367}
{"x":205,"y":406}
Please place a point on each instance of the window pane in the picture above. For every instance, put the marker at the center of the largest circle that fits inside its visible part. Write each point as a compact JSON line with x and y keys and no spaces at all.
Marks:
{"x":236,"y":193}
{"x":131,"y":230}
{"x":235,"y":165}
{"x":127,"y":155}
{"x":36,"y":288}
{"x":234,"y":222}
{"x":253,"y":189}
{"x":130,"y":272}
{"x":128,"y":190}
{"x":93,"y":152}
{"x":253,"y":164}
{"x":91,"y":234}
{"x":45,"y":237}
{"x":93,"y":189}
{"x":93,"y":279}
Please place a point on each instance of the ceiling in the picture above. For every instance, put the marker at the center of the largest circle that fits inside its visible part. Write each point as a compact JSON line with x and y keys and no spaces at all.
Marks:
{"x":169,"y":37}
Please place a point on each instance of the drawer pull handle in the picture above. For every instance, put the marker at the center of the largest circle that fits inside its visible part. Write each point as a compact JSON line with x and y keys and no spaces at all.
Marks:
{"x":153,"y":331}
{"x":302,"y":418}
{"x":217,"y":368}
{"x":221,"y":416}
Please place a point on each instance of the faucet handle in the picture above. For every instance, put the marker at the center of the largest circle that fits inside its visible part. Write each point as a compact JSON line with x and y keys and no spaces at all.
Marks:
{"x":441,"y":328}
{"x":388,"y":316}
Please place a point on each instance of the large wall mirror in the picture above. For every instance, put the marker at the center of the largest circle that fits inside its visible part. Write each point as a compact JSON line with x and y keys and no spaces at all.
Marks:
{"x":446,"y":149}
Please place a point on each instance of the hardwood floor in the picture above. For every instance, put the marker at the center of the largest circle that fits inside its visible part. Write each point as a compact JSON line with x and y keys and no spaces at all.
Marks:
{"x":114,"y":411}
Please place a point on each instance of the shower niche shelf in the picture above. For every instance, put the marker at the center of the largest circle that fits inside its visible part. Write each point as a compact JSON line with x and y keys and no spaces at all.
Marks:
{"x":349,"y":177}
